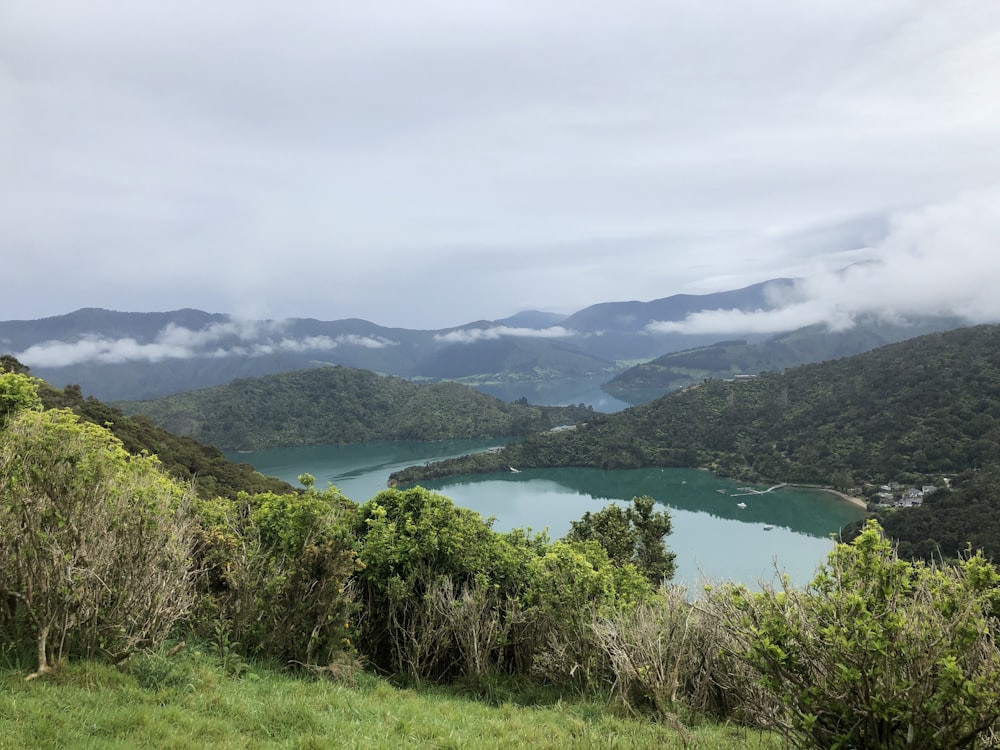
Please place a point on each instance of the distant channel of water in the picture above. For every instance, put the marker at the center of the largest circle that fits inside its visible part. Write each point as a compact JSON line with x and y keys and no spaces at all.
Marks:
{"x":714,"y":537}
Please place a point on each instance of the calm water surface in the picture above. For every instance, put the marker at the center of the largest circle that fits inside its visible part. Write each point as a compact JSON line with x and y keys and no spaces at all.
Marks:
{"x":714,"y":537}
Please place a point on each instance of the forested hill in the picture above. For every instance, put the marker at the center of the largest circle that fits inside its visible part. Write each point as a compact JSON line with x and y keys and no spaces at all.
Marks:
{"x":336,"y":405}
{"x":726,"y":359}
{"x":926,"y":406}
{"x":212,"y":474}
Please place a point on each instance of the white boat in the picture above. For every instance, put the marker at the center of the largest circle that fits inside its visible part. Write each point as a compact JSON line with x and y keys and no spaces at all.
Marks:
{"x":768,"y":526}
{"x":515,"y":471}
{"x":741,"y":505}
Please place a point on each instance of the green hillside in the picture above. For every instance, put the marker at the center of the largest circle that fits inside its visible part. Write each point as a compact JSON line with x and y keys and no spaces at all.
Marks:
{"x":337,"y":405}
{"x":726,"y":359}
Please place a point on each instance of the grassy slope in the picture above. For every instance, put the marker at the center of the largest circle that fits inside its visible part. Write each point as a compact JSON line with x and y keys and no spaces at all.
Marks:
{"x":188,"y":702}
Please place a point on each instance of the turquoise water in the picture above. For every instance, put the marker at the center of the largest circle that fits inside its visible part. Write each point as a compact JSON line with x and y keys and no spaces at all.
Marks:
{"x":713,"y":537}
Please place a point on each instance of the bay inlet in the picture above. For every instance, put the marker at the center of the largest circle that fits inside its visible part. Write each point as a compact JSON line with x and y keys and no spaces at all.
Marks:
{"x":722,"y":529}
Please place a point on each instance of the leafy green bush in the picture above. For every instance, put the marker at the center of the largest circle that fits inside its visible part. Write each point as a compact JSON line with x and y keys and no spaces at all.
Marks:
{"x":572,"y":586}
{"x":425,"y":560}
{"x":276,"y":574}
{"x":444,"y":595}
{"x":877,"y":651}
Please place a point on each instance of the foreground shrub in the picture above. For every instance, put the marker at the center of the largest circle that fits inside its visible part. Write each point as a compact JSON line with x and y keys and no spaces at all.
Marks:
{"x":573,"y":585}
{"x":276,"y":571}
{"x":440,"y":589}
{"x":650,"y":651}
{"x":877,"y":651}
{"x":18,"y":392}
{"x":94,"y":543}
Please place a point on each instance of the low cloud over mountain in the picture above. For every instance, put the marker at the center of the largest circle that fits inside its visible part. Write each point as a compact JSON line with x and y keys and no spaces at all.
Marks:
{"x":469,"y":335}
{"x":943,"y":259}
{"x":235,"y":337}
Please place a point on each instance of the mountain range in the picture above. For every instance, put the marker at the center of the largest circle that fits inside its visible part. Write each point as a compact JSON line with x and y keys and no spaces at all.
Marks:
{"x":128,"y":356}
{"x":118,"y":356}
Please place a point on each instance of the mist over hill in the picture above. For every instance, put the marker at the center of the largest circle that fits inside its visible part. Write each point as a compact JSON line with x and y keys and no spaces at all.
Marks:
{"x":139,"y":356}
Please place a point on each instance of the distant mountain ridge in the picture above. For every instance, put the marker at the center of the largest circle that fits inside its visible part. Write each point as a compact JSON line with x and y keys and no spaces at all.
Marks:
{"x":129,"y":356}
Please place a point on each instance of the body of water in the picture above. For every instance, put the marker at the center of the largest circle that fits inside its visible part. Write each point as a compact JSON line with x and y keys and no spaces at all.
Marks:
{"x":722,"y":530}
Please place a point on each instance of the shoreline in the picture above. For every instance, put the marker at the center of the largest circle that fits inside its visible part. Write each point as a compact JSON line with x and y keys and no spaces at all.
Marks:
{"x":859,"y":502}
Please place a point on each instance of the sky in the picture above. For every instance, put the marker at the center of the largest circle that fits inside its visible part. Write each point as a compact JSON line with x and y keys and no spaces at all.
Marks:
{"x":427,"y":164}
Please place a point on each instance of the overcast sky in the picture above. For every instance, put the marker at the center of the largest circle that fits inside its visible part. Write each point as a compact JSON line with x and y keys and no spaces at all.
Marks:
{"x":428,"y":164}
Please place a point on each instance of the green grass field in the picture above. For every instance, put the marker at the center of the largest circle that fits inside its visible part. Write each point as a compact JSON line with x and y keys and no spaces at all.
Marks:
{"x":193,"y":700}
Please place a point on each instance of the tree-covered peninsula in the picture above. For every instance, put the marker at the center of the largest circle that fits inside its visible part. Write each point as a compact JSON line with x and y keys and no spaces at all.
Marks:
{"x":339,"y":405}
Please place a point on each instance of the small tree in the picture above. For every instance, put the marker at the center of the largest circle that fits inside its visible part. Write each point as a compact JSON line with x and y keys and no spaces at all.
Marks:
{"x":877,"y":651}
{"x":94,"y":543}
{"x":631,"y":535}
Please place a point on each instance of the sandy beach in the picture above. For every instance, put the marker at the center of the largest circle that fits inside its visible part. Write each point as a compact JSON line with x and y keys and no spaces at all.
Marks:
{"x":859,"y":501}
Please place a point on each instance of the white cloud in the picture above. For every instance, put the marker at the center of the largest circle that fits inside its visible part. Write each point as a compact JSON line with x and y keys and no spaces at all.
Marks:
{"x":469,"y":335}
{"x":239,"y":337}
{"x":97,"y":349}
{"x":368,"y":342}
{"x":239,"y":328}
{"x":943,"y":259}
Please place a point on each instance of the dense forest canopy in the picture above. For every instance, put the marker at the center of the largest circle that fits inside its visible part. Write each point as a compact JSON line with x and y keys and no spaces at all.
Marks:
{"x":337,"y":405}
{"x":927,"y":406}
{"x":726,"y":359}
